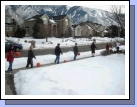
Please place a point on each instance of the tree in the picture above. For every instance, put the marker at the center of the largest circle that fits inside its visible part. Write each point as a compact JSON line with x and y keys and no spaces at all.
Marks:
{"x":113,"y":31}
{"x":20,"y":32}
{"x":117,"y":15}
{"x":40,"y":30}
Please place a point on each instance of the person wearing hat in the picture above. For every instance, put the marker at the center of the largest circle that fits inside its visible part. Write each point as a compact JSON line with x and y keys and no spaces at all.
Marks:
{"x":57,"y":53}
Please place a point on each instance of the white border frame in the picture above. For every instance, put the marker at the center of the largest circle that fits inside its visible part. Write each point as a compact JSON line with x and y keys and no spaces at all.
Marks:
{"x":82,"y":3}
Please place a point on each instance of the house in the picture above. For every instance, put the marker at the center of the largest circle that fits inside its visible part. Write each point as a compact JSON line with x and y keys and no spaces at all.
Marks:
{"x":57,"y":26}
{"x":10,"y":25}
{"x":87,"y":31}
{"x":63,"y":25}
{"x":99,"y":29}
{"x":77,"y":31}
{"x":51,"y":26}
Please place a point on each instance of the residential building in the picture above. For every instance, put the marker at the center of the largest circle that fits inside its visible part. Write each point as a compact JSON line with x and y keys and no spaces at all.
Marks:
{"x":10,"y":25}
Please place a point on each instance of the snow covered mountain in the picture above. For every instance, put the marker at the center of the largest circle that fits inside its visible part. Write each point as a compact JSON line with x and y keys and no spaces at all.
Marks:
{"x":76,"y":13}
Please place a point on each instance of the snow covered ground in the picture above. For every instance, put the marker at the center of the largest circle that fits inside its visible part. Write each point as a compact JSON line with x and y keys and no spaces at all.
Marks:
{"x":100,"y":75}
{"x":67,"y":42}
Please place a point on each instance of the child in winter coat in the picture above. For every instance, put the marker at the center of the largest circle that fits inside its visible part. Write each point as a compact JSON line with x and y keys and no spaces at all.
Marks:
{"x":10,"y":59}
{"x":107,"y":48}
{"x":93,"y":46}
{"x":75,"y":49}
{"x":30,"y":57}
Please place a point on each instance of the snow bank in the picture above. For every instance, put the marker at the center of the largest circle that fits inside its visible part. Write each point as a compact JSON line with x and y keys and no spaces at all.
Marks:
{"x":92,"y":76}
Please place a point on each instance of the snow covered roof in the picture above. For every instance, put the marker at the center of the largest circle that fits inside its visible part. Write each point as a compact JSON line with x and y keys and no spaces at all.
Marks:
{"x":72,"y":28}
{"x":52,"y":21}
{"x":97,"y":31}
{"x":89,"y":27}
{"x":59,"y":17}
{"x":105,"y":31}
{"x":31,"y":19}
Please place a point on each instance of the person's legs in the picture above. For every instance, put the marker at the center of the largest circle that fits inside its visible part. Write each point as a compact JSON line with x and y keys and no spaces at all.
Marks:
{"x":117,"y":49}
{"x":31,"y":63}
{"x":74,"y":56}
{"x":58,"y":58}
{"x":9,"y":68}
{"x":93,"y":53}
{"x":27,"y":63}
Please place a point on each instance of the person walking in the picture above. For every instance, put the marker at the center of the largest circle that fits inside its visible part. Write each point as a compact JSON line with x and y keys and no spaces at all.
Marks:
{"x":30,"y":57}
{"x":75,"y":49}
{"x":107,"y":48}
{"x":117,"y":46}
{"x":10,"y":58}
{"x":57,"y":53}
{"x":93,"y":46}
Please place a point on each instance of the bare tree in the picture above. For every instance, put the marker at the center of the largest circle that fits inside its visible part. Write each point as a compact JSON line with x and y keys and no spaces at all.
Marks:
{"x":117,"y":15}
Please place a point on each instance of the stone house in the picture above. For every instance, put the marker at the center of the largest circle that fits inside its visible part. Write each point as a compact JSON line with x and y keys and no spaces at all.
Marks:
{"x":63,"y":25}
{"x":10,"y":25}
{"x":57,"y":26}
{"x":51,"y":25}
{"x":77,"y":31}
{"x":87,"y":31}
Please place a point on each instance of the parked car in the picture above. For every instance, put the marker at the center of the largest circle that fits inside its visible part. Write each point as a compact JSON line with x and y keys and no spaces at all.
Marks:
{"x":17,"y":46}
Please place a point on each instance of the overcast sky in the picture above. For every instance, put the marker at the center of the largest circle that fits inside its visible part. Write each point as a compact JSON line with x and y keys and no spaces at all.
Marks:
{"x":102,"y":7}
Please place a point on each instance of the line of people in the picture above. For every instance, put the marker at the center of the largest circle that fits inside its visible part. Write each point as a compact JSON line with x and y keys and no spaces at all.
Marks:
{"x":31,"y":55}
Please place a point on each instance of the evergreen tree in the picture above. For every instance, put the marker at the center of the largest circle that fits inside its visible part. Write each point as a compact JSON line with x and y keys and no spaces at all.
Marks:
{"x":40,"y":29}
{"x":20,"y":32}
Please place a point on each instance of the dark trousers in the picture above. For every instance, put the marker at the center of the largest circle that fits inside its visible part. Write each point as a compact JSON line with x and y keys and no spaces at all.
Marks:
{"x":117,"y":49}
{"x":75,"y":55}
{"x":57,"y":59}
{"x":29,"y":62}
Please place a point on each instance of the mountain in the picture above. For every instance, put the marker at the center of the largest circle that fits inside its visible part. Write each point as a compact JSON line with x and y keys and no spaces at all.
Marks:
{"x":77,"y":14}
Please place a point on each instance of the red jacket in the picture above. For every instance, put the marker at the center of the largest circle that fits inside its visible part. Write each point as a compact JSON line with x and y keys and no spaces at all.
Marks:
{"x":107,"y":47}
{"x":10,"y":56}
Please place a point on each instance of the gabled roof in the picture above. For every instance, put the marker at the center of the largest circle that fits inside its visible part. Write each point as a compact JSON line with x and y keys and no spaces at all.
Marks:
{"x":35,"y":17}
{"x":59,"y":17}
{"x":74,"y":26}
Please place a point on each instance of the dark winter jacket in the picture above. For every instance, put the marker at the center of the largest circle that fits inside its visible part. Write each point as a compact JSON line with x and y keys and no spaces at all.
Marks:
{"x":107,"y":47}
{"x":75,"y":49}
{"x":93,"y":46}
{"x":31,"y":54}
{"x":58,"y":50}
{"x":10,"y":56}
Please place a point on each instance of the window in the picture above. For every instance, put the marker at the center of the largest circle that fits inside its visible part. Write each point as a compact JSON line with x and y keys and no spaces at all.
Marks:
{"x":9,"y":29}
{"x":27,"y":30}
{"x":66,"y":21}
{"x":45,"y":20}
{"x":78,"y":31}
{"x":90,"y":31}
